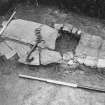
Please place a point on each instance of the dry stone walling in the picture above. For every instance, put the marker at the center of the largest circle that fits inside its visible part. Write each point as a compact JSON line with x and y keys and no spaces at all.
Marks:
{"x":20,"y":37}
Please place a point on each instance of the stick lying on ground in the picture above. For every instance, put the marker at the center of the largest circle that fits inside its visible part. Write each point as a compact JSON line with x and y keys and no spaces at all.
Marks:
{"x":5,"y":26}
{"x":61,"y":83}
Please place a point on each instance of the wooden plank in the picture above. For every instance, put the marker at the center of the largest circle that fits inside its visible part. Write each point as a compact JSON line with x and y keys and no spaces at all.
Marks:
{"x":5,"y":26}
{"x":62,"y":83}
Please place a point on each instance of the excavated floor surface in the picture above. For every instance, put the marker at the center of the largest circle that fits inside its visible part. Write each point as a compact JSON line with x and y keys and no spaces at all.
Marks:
{"x":17,"y":91}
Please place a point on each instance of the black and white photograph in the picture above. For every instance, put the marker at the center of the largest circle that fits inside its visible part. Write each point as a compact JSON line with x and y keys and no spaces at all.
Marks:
{"x":52,"y":52}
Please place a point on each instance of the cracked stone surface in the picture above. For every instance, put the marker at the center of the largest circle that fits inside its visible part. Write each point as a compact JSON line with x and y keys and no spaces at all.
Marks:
{"x":24,"y":30}
{"x":20,"y":49}
{"x":36,"y":58}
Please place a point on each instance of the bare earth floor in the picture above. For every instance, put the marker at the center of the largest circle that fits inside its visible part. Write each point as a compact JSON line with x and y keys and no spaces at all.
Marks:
{"x":18,"y":91}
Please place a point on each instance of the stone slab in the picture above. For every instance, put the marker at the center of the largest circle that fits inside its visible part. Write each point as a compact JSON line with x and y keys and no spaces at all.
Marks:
{"x":35,"y":61}
{"x":47,"y":57}
{"x":24,"y":30}
{"x":91,"y":61}
{"x":6,"y":50}
{"x":101,"y":63}
{"x":95,"y":42}
{"x":85,"y":39}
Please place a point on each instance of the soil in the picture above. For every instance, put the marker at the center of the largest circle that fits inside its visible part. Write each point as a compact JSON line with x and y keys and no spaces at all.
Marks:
{"x":18,"y":91}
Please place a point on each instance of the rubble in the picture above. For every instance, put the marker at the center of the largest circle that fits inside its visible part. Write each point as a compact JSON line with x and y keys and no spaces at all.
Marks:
{"x":68,"y":27}
{"x":88,"y":51}
{"x":80,"y":59}
{"x":58,"y":26}
{"x":67,"y":56}
{"x":73,"y":64}
{"x":72,"y":29}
